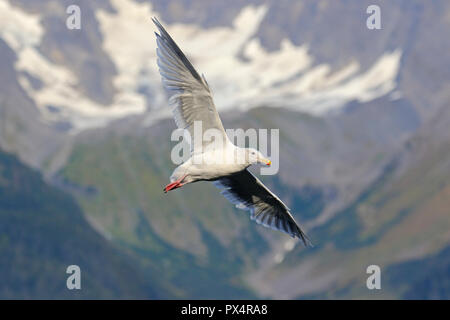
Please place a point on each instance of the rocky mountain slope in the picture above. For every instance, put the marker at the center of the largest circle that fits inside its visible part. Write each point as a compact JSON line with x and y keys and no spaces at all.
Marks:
{"x":42,"y":232}
{"x":363,"y":118}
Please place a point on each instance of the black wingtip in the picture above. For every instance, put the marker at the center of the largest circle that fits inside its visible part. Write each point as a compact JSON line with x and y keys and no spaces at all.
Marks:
{"x":156,"y":21}
{"x":304,"y":238}
{"x":158,"y":25}
{"x":167,"y":39}
{"x":308,"y":243}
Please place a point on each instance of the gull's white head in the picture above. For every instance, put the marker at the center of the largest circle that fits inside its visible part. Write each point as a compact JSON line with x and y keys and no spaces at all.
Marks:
{"x":253,"y":156}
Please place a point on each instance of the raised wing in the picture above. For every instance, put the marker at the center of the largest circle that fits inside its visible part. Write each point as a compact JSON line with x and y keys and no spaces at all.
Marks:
{"x":190,"y":96}
{"x":247,"y":192}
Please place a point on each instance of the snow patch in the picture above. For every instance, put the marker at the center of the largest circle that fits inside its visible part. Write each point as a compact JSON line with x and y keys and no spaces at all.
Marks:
{"x":241,"y":73}
{"x":23,"y":33}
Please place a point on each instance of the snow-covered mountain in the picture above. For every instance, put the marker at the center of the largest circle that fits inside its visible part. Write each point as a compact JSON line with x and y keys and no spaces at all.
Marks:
{"x":363,"y":118}
{"x":242,"y":73}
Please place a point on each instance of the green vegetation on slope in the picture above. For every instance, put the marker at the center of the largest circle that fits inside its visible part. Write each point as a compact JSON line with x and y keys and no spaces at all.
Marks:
{"x":423,"y":278}
{"x":397,"y":219}
{"x":42,"y":231}
{"x":193,"y":234}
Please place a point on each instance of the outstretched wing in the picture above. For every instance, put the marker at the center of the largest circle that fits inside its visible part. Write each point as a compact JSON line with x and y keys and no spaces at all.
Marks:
{"x":247,"y":192}
{"x":190,"y":96}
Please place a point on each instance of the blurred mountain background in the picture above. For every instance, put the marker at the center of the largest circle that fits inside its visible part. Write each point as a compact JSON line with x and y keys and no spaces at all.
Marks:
{"x":364,"y":118}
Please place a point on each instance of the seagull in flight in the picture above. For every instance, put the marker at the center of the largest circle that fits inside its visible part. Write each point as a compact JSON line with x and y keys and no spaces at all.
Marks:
{"x":191,"y":100}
